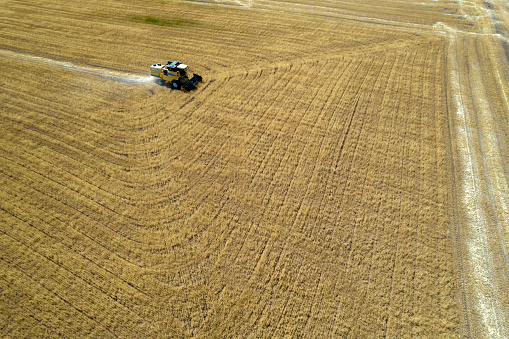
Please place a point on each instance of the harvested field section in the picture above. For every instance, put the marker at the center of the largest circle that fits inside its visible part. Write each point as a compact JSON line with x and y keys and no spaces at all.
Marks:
{"x":352,"y":268}
{"x":479,"y":138}
{"x":395,"y":14}
{"x":340,"y":172}
{"x":305,"y":199}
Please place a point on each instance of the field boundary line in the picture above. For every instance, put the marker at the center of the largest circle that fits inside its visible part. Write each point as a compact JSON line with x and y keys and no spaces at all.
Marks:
{"x":469,"y":147}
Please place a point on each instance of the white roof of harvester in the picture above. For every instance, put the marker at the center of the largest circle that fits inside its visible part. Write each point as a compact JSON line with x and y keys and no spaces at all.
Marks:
{"x":176,"y":64}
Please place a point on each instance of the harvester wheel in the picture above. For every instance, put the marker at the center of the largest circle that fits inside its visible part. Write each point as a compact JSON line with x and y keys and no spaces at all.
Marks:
{"x":175,"y":84}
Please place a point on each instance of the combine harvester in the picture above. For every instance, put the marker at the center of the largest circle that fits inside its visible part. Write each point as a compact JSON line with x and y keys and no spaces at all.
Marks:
{"x":175,"y":74}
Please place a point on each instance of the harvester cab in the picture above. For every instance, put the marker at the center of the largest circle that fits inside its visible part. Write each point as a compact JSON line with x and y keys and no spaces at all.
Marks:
{"x":175,"y":74}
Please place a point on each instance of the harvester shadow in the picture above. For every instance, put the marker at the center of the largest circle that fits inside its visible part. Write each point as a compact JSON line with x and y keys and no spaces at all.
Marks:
{"x":177,"y":85}
{"x":162,"y":83}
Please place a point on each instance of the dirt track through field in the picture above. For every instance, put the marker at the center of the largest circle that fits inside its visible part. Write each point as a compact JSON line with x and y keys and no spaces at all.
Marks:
{"x":114,"y":75}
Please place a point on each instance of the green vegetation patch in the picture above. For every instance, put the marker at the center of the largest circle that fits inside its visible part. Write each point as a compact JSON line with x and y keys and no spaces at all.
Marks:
{"x":162,"y":22}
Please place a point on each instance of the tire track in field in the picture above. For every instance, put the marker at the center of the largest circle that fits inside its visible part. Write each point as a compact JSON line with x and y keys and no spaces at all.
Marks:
{"x":101,"y":72}
{"x":481,"y":187}
{"x":299,"y":160}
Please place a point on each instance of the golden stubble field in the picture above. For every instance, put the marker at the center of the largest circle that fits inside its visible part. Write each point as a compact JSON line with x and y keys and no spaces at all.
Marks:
{"x":311,"y":186}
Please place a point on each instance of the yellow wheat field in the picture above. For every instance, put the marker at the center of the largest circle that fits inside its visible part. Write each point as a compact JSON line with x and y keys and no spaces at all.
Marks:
{"x":310,"y":187}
